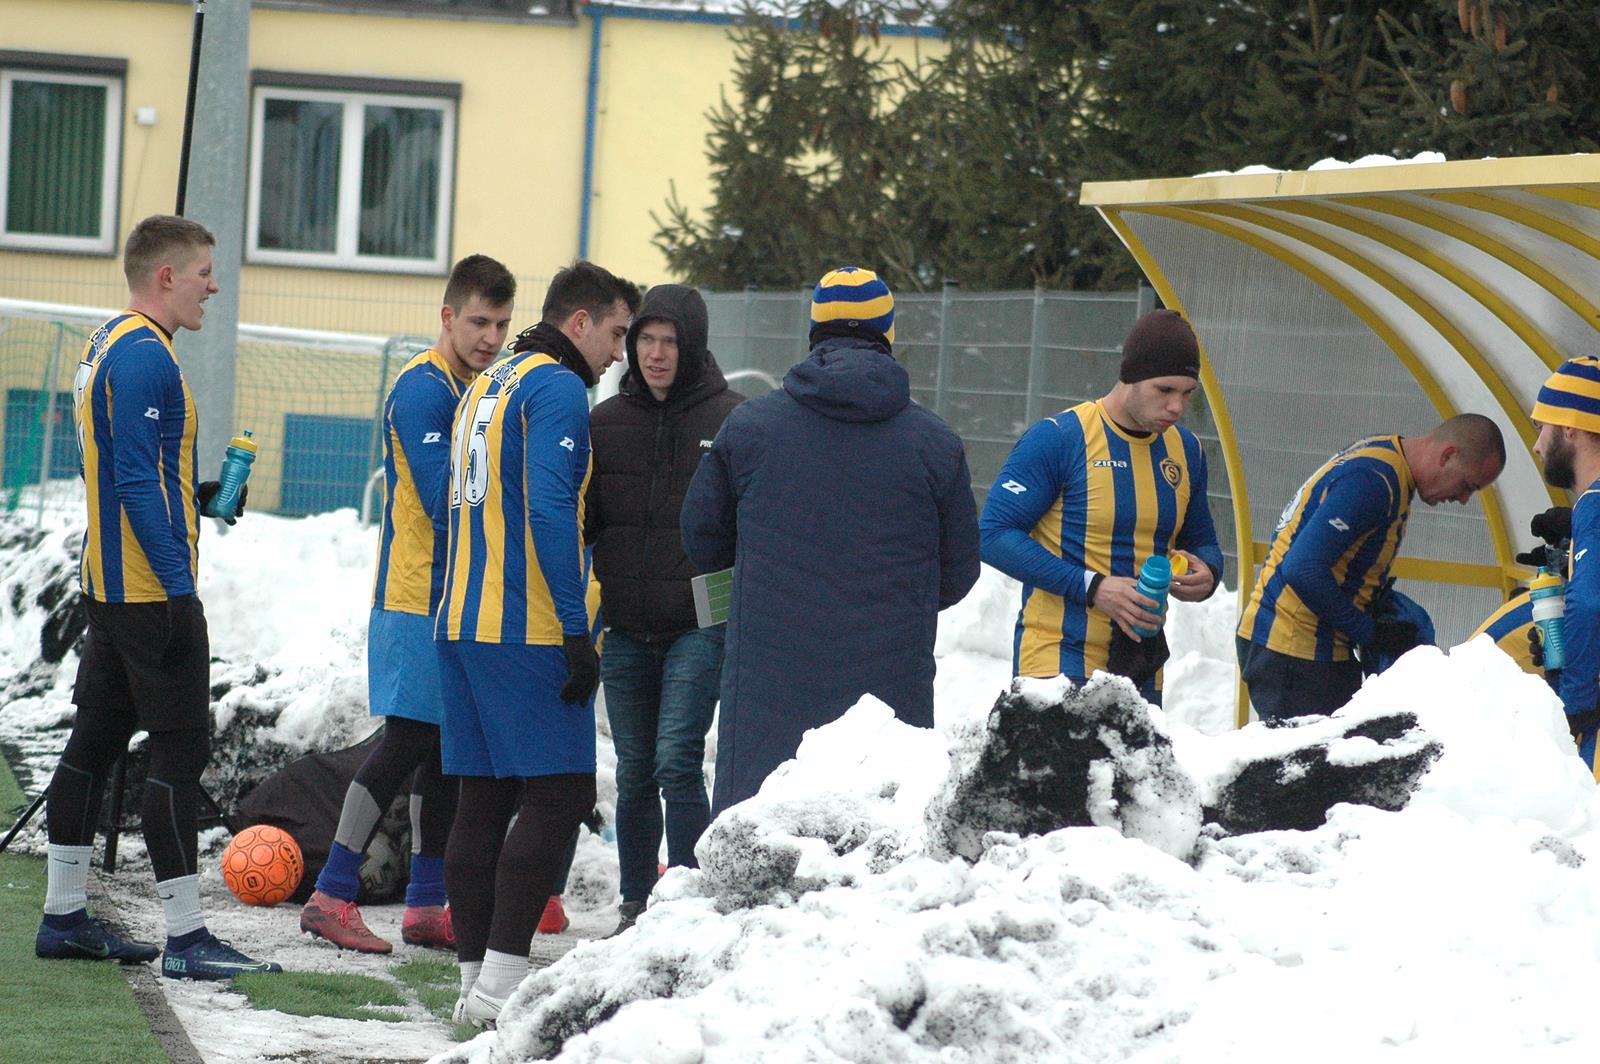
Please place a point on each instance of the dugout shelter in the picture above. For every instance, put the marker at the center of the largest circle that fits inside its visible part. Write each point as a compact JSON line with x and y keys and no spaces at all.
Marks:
{"x":1336,"y":303}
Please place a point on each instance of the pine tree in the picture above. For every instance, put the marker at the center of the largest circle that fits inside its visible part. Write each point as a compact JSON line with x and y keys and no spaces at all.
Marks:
{"x":1490,"y":77}
{"x":798,"y":156}
{"x":990,"y":178}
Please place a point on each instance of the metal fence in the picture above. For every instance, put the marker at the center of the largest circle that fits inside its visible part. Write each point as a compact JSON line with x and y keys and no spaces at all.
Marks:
{"x":989,"y":363}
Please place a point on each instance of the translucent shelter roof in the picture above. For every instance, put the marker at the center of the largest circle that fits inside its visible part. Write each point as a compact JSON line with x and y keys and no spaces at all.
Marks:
{"x":1334,"y":304}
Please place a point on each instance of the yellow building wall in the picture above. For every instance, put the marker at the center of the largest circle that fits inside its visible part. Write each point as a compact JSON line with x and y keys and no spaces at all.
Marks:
{"x":658,"y":80}
{"x":519,"y":159}
{"x":518,"y":152}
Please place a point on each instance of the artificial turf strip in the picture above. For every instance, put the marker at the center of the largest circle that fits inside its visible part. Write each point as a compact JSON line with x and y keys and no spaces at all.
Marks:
{"x":345,"y":997}
{"x":437,"y":984}
{"x":57,"y":1012}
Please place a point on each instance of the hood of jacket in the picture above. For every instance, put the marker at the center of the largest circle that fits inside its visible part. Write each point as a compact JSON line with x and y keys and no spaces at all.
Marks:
{"x":850,"y":379}
{"x":686,"y":310}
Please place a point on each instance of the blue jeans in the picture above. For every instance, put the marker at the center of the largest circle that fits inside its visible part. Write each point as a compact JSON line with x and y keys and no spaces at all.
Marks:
{"x":660,"y":697}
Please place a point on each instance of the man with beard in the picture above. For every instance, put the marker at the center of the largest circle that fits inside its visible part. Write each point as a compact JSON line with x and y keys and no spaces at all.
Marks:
{"x":1568,"y":415}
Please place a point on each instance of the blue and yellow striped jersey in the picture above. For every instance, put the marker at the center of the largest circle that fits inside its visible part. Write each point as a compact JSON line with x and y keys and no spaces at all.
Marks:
{"x":136,"y":438}
{"x":1079,"y":495}
{"x":519,"y":464}
{"x":1509,"y":626}
{"x":1333,"y":546}
{"x":417,"y":418}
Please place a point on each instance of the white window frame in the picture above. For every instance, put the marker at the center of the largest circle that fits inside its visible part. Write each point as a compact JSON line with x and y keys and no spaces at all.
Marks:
{"x":348,"y":224}
{"x":105,"y":242}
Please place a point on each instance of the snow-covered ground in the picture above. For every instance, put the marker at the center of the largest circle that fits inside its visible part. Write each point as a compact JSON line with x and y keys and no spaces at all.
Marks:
{"x":1466,"y":926}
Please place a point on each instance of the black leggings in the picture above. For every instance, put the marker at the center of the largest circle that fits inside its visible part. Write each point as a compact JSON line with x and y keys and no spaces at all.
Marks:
{"x":498,"y":881}
{"x":406,"y":747}
{"x":171,"y":787}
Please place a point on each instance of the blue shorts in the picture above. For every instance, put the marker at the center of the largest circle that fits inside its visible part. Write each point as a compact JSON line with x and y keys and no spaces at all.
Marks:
{"x":503,"y":714}
{"x":403,"y":667}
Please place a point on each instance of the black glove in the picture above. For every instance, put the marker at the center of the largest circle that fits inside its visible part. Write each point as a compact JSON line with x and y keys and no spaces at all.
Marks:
{"x":1554,"y":525}
{"x":1578,"y":723}
{"x":583,"y":669}
{"x":1138,"y":661}
{"x":1537,"y":558}
{"x":1393,"y":638}
{"x":207,"y":490}
{"x":1536,"y":646}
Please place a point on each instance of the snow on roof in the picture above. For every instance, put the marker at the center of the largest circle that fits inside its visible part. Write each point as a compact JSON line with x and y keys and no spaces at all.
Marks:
{"x":1334,"y":164}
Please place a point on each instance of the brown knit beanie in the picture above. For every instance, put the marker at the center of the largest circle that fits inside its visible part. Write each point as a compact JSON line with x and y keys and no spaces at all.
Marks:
{"x":1161,"y":344}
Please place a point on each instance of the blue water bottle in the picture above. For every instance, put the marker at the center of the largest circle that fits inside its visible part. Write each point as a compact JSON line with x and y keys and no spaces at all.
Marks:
{"x":1547,"y":592}
{"x":1155,"y":577}
{"x":235,"y":471}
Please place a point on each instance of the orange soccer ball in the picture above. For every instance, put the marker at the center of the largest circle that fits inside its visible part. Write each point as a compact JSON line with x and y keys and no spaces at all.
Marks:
{"x":262,"y":865}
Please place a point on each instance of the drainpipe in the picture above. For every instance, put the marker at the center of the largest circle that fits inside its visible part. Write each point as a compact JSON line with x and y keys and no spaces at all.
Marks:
{"x":590,"y":107}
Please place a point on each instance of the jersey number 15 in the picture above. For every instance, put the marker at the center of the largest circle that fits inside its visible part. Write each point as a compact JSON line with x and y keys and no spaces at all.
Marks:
{"x":469,"y":454}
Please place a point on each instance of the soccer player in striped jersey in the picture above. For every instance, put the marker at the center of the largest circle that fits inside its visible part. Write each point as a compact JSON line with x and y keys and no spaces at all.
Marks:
{"x":1568,"y":415}
{"x":517,"y":664}
{"x":1513,"y":630}
{"x":146,"y":660}
{"x":1333,"y":547}
{"x":402,"y":664}
{"x":1087,"y":496}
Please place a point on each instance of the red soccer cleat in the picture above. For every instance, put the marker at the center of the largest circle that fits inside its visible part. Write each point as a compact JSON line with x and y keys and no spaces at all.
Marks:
{"x":428,"y":925}
{"x":340,"y":922}
{"x":554,"y":921}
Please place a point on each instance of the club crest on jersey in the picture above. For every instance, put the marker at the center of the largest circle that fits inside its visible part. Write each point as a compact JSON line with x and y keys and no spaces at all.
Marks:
{"x":1171,"y":472}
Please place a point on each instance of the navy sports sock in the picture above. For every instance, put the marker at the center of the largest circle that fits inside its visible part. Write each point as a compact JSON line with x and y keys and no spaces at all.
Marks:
{"x":341,"y":876}
{"x":184,"y":941}
{"x":65,"y":921}
{"x":427,"y":881}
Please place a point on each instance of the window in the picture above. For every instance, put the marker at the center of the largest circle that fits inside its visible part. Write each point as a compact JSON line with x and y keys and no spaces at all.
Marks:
{"x":350,"y":179}
{"x":60,"y":144}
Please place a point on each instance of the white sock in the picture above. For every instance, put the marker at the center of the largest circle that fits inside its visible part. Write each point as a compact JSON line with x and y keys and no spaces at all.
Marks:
{"x":469,"y":975}
{"x":180,"y":903}
{"x":502,"y":973}
{"x":66,"y":884}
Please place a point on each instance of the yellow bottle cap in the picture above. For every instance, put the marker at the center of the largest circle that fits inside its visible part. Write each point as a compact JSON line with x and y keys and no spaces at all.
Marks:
{"x":1544,"y":578}
{"x":243,"y":442}
{"x":1180,"y":564}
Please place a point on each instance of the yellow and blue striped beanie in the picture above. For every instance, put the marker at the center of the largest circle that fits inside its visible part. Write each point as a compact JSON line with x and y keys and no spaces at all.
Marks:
{"x":1571,"y":397}
{"x":854,"y":297}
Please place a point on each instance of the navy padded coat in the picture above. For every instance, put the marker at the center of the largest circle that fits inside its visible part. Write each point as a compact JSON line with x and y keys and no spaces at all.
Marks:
{"x":846,"y":511}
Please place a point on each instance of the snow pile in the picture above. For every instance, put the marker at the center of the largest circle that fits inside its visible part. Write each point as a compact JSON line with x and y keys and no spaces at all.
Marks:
{"x":821,"y":926}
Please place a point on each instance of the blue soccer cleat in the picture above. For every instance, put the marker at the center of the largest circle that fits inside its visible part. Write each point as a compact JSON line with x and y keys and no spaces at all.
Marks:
{"x":210,"y":958}
{"x":91,"y":940}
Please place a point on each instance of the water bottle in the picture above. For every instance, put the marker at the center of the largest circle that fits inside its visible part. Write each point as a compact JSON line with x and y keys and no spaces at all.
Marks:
{"x":235,"y":471}
{"x":1548,"y":594}
{"x":1155,"y":577}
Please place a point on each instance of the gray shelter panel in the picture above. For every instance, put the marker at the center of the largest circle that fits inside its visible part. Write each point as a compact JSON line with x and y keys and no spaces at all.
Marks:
{"x":1302,"y":377}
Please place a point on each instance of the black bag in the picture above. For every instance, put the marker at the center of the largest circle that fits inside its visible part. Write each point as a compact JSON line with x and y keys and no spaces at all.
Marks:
{"x":305,"y":798}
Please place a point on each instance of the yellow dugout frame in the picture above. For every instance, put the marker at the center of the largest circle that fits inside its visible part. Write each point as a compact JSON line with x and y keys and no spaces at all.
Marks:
{"x":1476,"y":279}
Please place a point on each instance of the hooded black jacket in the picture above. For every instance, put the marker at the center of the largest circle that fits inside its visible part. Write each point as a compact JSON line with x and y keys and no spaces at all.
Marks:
{"x":645,"y":453}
